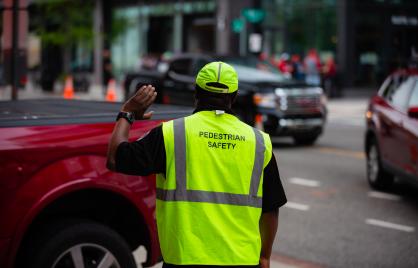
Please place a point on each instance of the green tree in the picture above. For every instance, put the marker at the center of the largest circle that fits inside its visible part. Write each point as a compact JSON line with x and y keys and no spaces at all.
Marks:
{"x":63,"y":22}
{"x":68,"y":23}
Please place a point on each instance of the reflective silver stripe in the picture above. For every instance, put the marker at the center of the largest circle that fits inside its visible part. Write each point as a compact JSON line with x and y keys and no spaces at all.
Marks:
{"x":210,"y":197}
{"x":180,"y":155}
{"x":258,"y":162}
{"x":182,"y":194}
{"x":219,"y":71}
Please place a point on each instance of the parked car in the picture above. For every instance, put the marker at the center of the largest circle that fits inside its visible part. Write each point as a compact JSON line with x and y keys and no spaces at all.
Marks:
{"x":59,"y":204}
{"x":286,"y":107}
{"x":391,"y":140}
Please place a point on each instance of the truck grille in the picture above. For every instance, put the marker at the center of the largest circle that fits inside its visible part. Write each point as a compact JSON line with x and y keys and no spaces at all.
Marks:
{"x":303,"y":104}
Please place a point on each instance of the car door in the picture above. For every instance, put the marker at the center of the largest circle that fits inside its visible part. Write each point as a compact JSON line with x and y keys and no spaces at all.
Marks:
{"x":385,"y":116}
{"x":179,"y":83}
{"x":397,"y":114}
{"x":411,"y":132}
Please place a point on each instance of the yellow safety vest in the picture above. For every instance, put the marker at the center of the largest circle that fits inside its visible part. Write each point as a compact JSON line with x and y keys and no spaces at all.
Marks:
{"x":209,"y":202}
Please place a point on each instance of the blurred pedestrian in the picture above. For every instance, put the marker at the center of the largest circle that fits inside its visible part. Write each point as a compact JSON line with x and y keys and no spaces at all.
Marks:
{"x":284,"y":65}
{"x":297,"y":67}
{"x":218,"y":186}
{"x":107,"y":69}
{"x":312,"y":66}
{"x":329,"y":72}
{"x":263,"y":62}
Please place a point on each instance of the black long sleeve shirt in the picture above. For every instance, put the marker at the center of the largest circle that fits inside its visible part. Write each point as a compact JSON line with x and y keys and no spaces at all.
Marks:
{"x":147,"y":156}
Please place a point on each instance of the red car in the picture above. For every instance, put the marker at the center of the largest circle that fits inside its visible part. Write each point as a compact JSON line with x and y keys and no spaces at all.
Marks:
{"x":59,"y":204}
{"x":391,"y":140}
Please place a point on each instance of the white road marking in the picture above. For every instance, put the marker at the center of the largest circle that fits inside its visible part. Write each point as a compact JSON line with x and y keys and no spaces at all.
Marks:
{"x":297,"y":206}
{"x":386,"y":196}
{"x":304,"y":182}
{"x":390,"y":225}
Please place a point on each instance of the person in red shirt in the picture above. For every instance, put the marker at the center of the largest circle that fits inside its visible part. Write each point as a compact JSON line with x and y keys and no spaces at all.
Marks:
{"x":329,"y":72}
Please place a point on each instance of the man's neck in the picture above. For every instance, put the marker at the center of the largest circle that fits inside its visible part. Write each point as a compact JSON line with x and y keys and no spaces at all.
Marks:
{"x":211,"y":107}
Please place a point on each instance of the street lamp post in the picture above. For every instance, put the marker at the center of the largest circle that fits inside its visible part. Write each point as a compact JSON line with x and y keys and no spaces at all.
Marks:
{"x":15,"y":27}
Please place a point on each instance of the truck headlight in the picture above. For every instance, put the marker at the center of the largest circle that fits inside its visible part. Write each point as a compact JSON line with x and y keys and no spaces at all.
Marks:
{"x":265,"y":100}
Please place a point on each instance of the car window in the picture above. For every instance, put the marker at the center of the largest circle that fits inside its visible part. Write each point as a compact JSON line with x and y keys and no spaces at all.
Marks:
{"x":384,"y":89}
{"x":413,"y":101}
{"x":398,"y":95}
{"x":181,"y":66}
{"x":391,"y":86}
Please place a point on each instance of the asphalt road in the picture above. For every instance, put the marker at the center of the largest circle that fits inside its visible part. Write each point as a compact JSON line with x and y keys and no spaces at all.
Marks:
{"x":333,"y":218}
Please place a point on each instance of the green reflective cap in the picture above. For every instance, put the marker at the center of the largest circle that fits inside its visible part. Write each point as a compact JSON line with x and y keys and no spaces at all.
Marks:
{"x":218,"y":77}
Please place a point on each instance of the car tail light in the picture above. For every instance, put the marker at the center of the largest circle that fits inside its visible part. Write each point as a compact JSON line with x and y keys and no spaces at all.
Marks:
{"x":413,"y":112}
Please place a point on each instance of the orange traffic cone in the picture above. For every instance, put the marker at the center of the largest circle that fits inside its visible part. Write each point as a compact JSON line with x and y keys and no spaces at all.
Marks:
{"x":258,"y":122}
{"x":68,"y":88}
{"x":111,"y":91}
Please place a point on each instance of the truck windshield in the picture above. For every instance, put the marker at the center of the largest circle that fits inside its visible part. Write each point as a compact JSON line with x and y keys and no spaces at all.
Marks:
{"x":255,"y":75}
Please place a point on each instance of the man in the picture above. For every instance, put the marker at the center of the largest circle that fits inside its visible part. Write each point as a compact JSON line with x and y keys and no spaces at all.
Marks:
{"x":218,"y":186}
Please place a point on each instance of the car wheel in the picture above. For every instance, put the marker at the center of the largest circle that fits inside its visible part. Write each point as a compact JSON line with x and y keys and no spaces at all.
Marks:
{"x":377,"y":176}
{"x":80,"y":244}
{"x":306,"y":138}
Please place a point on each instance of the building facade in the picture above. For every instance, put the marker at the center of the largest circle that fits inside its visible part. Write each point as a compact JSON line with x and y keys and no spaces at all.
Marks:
{"x":158,"y":27}
{"x":368,"y":38}
{"x":375,"y":37}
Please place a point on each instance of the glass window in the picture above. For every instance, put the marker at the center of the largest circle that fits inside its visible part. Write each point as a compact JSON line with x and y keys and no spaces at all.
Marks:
{"x":386,"y":87}
{"x":413,"y":102}
{"x":181,"y":66}
{"x":400,"y":95}
{"x":392,"y":86}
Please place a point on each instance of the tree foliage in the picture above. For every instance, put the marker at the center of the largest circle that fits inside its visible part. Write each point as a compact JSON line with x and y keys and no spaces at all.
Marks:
{"x":62,"y":22}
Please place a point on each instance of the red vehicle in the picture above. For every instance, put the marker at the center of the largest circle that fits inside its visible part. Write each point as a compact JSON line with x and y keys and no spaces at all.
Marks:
{"x":391,"y":140}
{"x":59,"y":204}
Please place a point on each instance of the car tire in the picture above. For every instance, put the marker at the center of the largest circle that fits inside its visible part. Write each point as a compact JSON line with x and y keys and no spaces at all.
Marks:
{"x":305,"y":139}
{"x":64,"y":244}
{"x":377,"y":176}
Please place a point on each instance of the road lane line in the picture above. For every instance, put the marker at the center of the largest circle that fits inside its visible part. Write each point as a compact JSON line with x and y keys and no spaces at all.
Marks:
{"x":274,"y":264}
{"x":297,"y":206}
{"x":390,"y":225}
{"x":386,"y":196}
{"x":304,"y":182}
{"x":342,"y":152}
{"x":281,"y":261}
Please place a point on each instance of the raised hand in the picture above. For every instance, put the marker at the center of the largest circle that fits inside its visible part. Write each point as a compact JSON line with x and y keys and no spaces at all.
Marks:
{"x":140,"y":102}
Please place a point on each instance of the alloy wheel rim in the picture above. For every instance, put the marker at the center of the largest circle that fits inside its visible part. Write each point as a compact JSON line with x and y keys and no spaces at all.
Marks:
{"x":373,"y":164}
{"x":86,"y":255}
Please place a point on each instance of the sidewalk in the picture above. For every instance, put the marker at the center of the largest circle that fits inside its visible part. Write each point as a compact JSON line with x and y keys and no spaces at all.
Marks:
{"x":96,"y":93}
{"x":351,"y":108}
{"x":358,"y":93}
